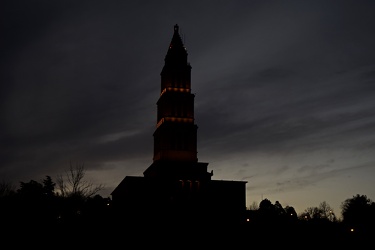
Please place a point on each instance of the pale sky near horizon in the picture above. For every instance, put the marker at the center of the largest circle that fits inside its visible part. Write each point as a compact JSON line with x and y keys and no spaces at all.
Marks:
{"x":285,"y":92}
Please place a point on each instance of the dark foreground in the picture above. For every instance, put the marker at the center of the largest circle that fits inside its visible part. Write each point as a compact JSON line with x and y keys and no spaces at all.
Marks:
{"x":176,"y":235}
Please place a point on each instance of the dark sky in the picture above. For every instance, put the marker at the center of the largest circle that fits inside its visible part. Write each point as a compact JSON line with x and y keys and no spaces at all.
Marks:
{"x":285,"y":92}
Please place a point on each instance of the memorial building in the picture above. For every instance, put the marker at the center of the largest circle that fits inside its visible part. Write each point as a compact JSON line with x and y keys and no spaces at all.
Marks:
{"x":176,"y":187}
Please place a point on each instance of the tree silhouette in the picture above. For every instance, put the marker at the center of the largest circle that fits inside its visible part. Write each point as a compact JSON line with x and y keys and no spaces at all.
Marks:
{"x":359,"y":213}
{"x":326,"y":212}
{"x":323,"y":212}
{"x":74,"y":184}
{"x":6,"y":189}
{"x":291,"y":212}
{"x":49,"y":186}
{"x":254,"y":206}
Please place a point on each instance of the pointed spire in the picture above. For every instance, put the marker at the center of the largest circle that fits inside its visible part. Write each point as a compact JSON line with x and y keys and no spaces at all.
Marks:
{"x":176,"y":39}
{"x":177,"y":53}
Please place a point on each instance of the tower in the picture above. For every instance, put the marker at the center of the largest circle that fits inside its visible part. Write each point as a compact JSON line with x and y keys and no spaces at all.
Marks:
{"x":175,"y":136}
{"x":176,"y":187}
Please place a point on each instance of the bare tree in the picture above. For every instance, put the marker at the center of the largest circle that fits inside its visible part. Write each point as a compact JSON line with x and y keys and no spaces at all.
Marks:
{"x":326,"y":211}
{"x":312,"y":212}
{"x":6,"y":188}
{"x":74,"y":184}
{"x":254,"y":206}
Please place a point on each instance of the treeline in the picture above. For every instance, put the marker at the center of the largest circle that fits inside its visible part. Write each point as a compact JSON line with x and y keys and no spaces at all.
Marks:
{"x":71,"y":206}
{"x":315,"y":226}
{"x":70,"y":199}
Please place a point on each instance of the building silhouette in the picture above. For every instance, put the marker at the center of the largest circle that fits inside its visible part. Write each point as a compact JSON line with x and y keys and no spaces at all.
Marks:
{"x":176,"y":187}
